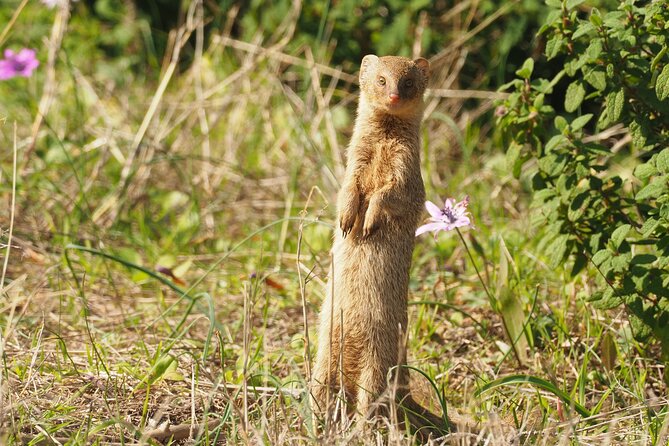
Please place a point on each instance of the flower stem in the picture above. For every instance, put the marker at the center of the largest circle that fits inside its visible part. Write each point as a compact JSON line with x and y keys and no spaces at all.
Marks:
{"x":491,"y":298}
{"x":478,"y":273}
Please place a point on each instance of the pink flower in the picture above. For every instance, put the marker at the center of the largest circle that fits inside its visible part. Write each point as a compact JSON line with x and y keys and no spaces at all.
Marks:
{"x":18,"y":64}
{"x":453,"y":215}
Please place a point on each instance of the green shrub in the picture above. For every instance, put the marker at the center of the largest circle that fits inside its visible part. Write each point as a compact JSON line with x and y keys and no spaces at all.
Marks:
{"x":600,"y":166}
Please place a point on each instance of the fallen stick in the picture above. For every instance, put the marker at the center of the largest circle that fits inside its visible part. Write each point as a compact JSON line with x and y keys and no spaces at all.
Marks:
{"x":180,"y":431}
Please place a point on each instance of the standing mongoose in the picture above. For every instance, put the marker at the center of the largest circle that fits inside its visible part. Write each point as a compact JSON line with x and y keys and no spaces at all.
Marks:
{"x":363,"y":320}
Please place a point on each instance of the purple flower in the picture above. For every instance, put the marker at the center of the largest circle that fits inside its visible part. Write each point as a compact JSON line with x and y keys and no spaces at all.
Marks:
{"x":18,"y":64}
{"x":453,"y":215}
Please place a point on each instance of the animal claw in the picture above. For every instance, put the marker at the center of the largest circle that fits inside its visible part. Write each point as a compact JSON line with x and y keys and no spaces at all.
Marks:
{"x":346,"y":226}
{"x":367,"y":231}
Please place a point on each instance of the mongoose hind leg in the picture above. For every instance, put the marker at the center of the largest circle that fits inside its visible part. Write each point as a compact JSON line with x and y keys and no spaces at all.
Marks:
{"x":323,"y":377}
{"x":334,"y":368}
{"x":325,"y":366}
{"x":382,"y":380}
{"x":371,"y":384}
{"x":379,"y":367}
{"x":319,"y":391}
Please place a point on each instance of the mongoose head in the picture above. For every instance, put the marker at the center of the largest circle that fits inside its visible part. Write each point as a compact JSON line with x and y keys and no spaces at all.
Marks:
{"x":394,"y":85}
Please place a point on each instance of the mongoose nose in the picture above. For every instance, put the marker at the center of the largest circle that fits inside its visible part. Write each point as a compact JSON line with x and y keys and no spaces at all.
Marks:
{"x":394,"y":98}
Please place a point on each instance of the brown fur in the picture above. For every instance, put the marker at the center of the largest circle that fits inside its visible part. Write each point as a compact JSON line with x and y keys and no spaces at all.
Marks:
{"x":379,"y":208}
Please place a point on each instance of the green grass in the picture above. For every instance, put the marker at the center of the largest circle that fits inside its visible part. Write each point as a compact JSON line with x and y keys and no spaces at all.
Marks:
{"x":231,"y":184}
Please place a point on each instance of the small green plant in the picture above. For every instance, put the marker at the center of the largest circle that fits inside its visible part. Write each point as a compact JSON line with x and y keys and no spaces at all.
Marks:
{"x":599,"y":165}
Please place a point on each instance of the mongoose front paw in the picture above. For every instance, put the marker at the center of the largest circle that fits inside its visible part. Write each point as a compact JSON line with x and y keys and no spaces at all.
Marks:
{"x":372,"y":220}
{"x":346,"y":222}
{"x":369,"y":229}
{"x":349,"y":206}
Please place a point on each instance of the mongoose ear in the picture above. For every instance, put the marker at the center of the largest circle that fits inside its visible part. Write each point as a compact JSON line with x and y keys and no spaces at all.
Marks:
{"x":423,"y":65}
{"x":368,"y":61}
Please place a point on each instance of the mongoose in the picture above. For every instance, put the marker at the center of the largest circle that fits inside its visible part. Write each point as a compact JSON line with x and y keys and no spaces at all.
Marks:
{"x":379,"y":208}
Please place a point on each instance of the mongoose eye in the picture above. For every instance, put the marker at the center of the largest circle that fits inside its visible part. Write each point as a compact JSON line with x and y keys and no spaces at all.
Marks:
{"x":408,"y":83}
{"x":382,"y":80}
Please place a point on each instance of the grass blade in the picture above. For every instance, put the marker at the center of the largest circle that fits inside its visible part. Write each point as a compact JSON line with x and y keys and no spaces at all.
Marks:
{"x":536,"y":382}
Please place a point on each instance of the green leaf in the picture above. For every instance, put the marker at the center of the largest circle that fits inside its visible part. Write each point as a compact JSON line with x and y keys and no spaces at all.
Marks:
{"x":664,"y":211}
{"x":580,"y":122}
{"x":553,"y":46}
{"x":662,"y":161}
{"x":607,"y":300}
{"x":538,"y":184}
{"x":643,"y":259}
{"x":538,"y":101}
{"x":640,"y":330}
{"x":552,"y":21}
{"x":513,"y":158}
{"x":649,"y":226}
{"x":594,"y":49}
{"x":555,"y":143}
{"x":510,"y":305}
{"x":621,"y":262}
{"x":560,"y":124}
{"x":601,"y":256}
{"x":572,"y":66}
{"x":164,"y":365}
{"x":544,"y":195}
{"x":658,"y":57}
{"x":552,"y":164}
{"x":645,"y":170}
{"x":595,"y":18}
{"x":526,"y":70}
{"x":608,"y":351}
{"x":619,"y":235}
{"x":578,"y":206}
{"x":171,"y":373}
{"x":557,"y":250}
{"x":571,"y":4}
{"x":614,"y":20}
{"x":662,"y":84}
{"x":638,"y":133}
{"x":583,"y":29}
{"x":579,"y":263}
{"x":596,"y":78}
{"x":594,"y":242}
{"x":597,"y":295}
{"x":574,"y":96}
{"x":615,"y":102}
{"x":652,"y":190}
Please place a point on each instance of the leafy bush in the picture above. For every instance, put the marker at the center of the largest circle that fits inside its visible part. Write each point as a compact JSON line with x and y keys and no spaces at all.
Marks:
{"x":600,"y":167}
